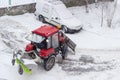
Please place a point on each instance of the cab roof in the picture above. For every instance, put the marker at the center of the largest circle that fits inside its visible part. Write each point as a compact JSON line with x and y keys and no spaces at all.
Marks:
{"x":45,"y":30}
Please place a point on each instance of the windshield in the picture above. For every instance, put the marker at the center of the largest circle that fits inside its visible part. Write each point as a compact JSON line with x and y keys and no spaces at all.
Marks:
{"x":35,"y":38}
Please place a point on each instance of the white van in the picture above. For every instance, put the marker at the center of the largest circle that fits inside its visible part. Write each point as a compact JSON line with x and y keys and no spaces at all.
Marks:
{"x":56,"y":13}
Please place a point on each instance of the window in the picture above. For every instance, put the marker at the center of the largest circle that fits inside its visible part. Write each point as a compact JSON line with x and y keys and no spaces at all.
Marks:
{"x":35,"y":38}
{"x":55,"y":41}
{"x":49,"y":42}
{"x":45,"y":8}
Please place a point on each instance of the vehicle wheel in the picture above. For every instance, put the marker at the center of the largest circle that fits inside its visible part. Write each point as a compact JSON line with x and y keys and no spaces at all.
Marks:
{"x":49,"y":63}
{"x":13,"y":61}
{"x":64,"y":28}
{"x":64,"y":51}
{"x":20,"y":70}
{"x":32,"y":55}
{"x":41,"y":18}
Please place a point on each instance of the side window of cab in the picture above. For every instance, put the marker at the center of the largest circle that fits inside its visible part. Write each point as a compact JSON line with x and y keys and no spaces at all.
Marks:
{"x":45,"y":8}
{"x":55,"y":40}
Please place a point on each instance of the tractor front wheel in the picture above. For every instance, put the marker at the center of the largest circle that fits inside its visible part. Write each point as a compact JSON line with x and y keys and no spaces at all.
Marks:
{"x":49,"y":63}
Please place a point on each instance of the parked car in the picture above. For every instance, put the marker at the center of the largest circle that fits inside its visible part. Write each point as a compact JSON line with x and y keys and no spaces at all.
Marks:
{"x":56,"y":13}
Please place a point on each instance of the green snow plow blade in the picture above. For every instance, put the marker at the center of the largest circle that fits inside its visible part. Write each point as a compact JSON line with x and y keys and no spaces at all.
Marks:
{"x":24,"y":67}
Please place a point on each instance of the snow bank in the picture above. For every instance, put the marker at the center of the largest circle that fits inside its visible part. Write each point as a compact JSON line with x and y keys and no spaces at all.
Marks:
{"x":94,"y":36}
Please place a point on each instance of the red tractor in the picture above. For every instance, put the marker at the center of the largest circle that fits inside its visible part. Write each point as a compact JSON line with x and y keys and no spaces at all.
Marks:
{"x":45,"y":44}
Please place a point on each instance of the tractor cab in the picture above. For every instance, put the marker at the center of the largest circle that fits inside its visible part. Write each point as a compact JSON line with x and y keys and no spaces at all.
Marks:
{"x":46,"y":39}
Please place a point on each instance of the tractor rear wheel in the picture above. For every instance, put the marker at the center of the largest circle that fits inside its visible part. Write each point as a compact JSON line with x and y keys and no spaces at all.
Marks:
{"x":49,"y":63}
{"x":64,"y":28}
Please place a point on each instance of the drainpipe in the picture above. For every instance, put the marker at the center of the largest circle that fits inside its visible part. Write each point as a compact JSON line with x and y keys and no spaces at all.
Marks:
{"x":8,"y":7}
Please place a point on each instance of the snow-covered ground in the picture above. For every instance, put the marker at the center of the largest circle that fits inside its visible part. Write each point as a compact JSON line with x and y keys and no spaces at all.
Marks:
{"x":97,"y":53}
{"x":95,"y":36}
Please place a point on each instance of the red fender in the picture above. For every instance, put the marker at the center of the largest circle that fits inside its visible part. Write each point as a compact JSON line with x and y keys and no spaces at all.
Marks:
{"x":29,"y":47}
{"x":44,"y":53}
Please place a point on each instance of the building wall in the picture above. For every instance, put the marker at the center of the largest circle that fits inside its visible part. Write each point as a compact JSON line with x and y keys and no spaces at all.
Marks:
{"x":17,"y":10}
{"x":14,"y":7}
{"x":70,"y":3}
{"x":9,"y":3}
{"x":4,"y":3}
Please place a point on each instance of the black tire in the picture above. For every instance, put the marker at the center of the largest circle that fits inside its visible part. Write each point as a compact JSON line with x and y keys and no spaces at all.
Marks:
{"x":64,"y":51}
{"x":49,"y":63}
{"x":41,"y":18}
{"x":13,"y":62}
{"x":32,"y":55}
{"x":20,"y":70}
{"x":64,"y":28}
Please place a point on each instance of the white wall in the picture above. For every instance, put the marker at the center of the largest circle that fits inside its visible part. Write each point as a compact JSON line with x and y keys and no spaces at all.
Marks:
{"x":21,"y":2}
{"x":4,"y":3}
{"x":7,"y":3}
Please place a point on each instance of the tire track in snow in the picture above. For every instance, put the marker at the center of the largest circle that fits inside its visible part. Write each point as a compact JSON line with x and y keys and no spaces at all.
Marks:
{"x":2,"y":79}
{"x":97,"y":50}
{"x":12,"y":33}
{"x":87,"y":63}
{"x":81,"y":66}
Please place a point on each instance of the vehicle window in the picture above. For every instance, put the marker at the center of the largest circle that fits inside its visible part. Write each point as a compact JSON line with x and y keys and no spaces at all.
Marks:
{"x":35,"y":38}
{"x":63,"y":12}
{"x":49,"y":42}
{"x":46,"y":8}
{"x":54,"y":14}
{"x":55,"y":42}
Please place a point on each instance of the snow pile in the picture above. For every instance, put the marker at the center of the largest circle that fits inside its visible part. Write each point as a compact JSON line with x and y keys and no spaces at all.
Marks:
{"x":97,"y":37}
